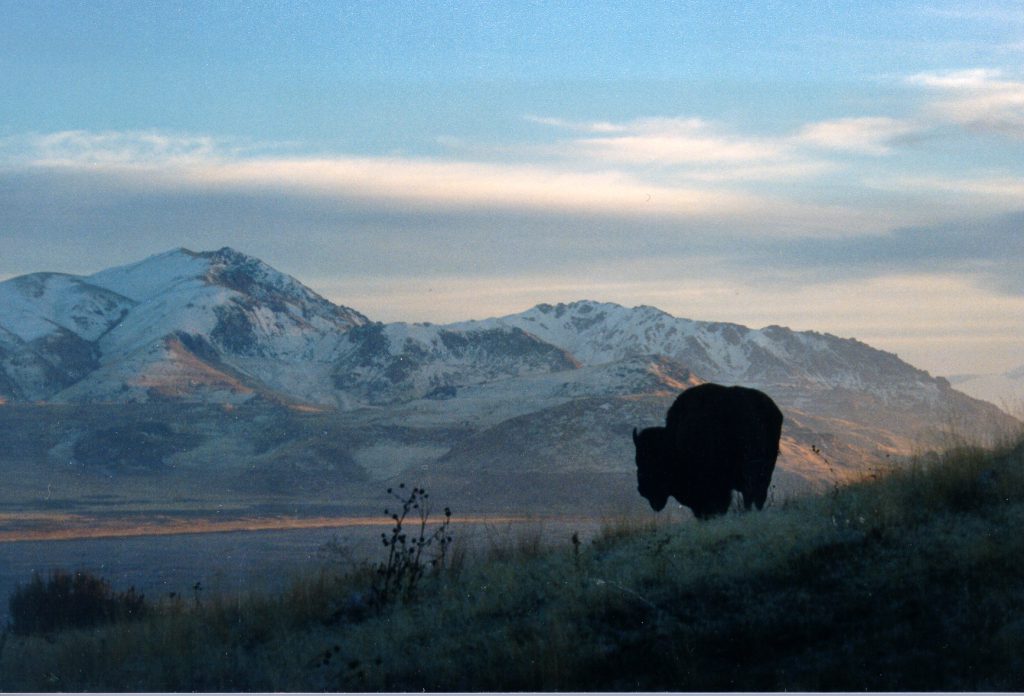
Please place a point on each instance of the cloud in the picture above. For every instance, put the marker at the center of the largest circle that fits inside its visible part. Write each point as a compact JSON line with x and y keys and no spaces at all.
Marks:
{"x":868,"y":135}
{"x":987,"y":249}
{"x":979,"y":99}
{"x":697,"y":150}
{"x":978,"y":78}
{"x":431,"y":239}
{"x":675,"y":148}
{"x":697,"y":196}
{"x":84,"y":148}
{"x":581,"y":126}
{"x":527,"y":215}
{"x":470,"y":184}
{"x":982,"y":100}
{"x":663,"y":141}
{"x":688,"y":151}
{"x":158,"y":162}
{"x":986,"y":191}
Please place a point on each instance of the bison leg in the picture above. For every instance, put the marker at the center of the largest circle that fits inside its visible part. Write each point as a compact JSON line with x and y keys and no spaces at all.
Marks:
{"x":748,"y":500}
{"x":757,"y":476}
{"x":713,"y":504}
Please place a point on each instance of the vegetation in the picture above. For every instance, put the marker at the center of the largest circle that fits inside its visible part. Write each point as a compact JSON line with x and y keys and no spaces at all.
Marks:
{"x":70,"y":600}
{"x":400,"y":574}
{"x":909,"y":580}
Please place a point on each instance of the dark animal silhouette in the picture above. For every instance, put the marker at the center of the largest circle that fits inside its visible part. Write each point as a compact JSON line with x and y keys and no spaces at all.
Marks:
{"x":715,"y":440}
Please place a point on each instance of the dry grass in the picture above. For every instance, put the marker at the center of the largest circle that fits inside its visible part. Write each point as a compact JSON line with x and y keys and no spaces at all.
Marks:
{"x":909,"y":581}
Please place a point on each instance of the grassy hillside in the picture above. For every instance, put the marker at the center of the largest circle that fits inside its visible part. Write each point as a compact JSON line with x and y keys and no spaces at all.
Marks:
{"x":911,"y":580}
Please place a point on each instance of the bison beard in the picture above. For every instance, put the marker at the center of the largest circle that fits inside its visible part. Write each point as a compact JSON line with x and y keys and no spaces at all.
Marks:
{"x":715,"y":440}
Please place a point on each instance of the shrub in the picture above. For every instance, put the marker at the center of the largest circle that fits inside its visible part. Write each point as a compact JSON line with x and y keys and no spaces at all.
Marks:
{"x":69,"y":600}
{"x":405,"y":564}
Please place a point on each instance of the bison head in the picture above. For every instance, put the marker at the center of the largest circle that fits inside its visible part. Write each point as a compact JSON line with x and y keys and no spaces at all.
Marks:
{"x":652,"y":465}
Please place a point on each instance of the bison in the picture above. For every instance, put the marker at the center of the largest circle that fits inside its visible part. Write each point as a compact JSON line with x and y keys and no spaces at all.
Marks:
{"x":715,"y":440}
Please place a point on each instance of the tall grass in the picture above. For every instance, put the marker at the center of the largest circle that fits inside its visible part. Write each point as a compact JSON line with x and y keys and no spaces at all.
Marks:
{"x":910,"y":580}
{"x":67,"y":600}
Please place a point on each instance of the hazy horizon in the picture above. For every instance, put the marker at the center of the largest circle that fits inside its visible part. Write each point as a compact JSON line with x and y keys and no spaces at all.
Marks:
{"x":854,"y":170}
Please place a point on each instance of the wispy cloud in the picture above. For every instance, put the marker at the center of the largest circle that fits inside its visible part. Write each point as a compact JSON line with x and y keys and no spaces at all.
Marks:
{"x":700,"y":150}
{"x":979,"y":99}
{"x":131,"y":148}
{"x":982,"y":100}
{"x":873,"y":135}
{"x":472,"y":184}
{"x":686,"y":150}
{"x":993,"y":192}
{"x":581,"y":126}
{"x":150,"y":160}
{"x":694,"y":237}
{"x":665,"y":141}
{"x":684,"y":176}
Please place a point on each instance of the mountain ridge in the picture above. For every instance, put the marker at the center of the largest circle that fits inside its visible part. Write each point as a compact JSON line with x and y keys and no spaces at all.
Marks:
{"x":559,"y":385}
{"x":238,"y":307}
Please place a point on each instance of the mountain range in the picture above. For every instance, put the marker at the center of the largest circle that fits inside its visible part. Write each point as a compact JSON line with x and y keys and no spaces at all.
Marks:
{"x":215,"y":362}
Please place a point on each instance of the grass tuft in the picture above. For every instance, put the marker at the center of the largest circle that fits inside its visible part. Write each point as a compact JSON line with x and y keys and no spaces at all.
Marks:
{"x":70,"y":600}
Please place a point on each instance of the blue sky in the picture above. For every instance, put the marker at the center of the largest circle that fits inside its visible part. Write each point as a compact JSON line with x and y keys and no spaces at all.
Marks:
{"x":856,"y":168}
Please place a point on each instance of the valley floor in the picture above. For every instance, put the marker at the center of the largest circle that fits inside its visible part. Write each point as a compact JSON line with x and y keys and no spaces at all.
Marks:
{"x":910,"y":581}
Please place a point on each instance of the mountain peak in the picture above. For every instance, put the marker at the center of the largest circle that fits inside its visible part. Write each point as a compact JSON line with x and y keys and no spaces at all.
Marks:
{"x":186,"y":272}
{"x":38,"y":304}
{"x":226,"y":255}
{"x":153,"y":276}
{"x":583,"y":308}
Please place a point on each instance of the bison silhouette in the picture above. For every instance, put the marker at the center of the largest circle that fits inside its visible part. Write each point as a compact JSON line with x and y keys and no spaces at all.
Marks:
{"x":715,"y":440}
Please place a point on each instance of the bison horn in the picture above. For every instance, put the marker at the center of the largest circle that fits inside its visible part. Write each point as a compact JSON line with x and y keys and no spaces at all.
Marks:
{"x":635,"y":437}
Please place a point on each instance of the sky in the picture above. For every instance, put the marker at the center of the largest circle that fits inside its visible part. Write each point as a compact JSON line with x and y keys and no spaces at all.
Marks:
{"x":854,"y":168}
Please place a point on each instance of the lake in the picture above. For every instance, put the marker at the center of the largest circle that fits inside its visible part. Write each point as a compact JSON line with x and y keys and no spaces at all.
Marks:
{"x":237,"y":561}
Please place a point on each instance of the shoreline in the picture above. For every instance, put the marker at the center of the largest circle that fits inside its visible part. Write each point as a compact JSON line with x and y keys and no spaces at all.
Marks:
{"x":170,"y":527}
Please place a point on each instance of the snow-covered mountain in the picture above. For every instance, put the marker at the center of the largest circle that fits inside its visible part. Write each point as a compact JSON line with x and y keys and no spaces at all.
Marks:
{"x":202,"y":326}
{"x":552,"y":390}
{"x":50,"y":328}
{"x":222,"y":325}
{"x":807,"y":371}
{"x":597,"y":333}
{"x":380,"y":363}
